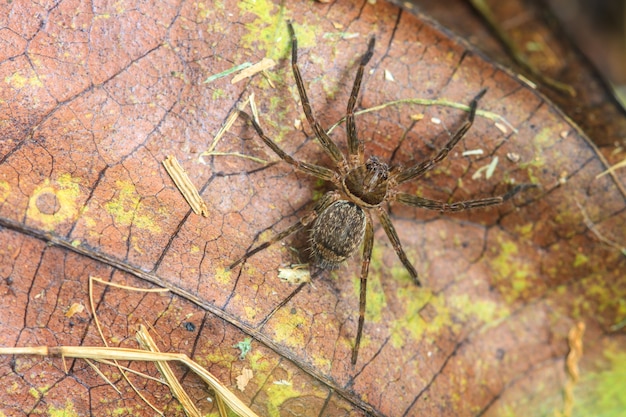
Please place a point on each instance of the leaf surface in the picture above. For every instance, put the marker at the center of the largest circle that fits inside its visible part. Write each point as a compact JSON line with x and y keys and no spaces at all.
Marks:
{"x":94,"y":99}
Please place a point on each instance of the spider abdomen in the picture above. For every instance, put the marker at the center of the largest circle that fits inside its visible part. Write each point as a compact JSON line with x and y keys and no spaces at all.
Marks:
{"x":337,"y":233}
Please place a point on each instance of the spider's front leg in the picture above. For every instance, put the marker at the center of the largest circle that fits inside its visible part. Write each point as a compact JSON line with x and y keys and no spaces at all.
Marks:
{"x":311,"y":169}
{"x":418,"y":170}
{"x":420,"y":202}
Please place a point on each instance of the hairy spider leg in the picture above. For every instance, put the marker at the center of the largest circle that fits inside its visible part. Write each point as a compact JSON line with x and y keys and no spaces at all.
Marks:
{"x":384,"y":219}
{"x":311,"y":169}
{"x":420,"y":169}
{"x":327,"y":143}
{"x":355,"y":146}
{"x":368,"y":244}
{"x":326,"y":200}
{"x":420,"y":202}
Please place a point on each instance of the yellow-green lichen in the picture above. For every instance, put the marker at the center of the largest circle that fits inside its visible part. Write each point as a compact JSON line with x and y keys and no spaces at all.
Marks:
{"x":288,"y":328}
{"x":525,"y":230}
{"x":34,"y":393}
{"x":412,"y":326}
{"x":18,"y":81}
{"x":218,"y":356}
{"x":68,"y":411}
{"x":580,"y":260}
{"x":259,"y":362}
{"x":485,"y":311}
{"x":5,"y":190}
{"x":218,"y":93}
{"x":278,"y":394}
{"x":268,"y":31}
{"x":62,"y":202}
{"x":13,"y":388}
{"x":511,"y":274}
{"x":126,"y":208}
{"x":204,"y":10}
{"x":222,"y":276}
{"x":602,"y":393}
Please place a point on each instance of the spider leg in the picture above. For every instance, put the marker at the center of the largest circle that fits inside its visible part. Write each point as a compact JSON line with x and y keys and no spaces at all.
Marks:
{"x":311,"y":169}
{"x":368,"y":244}
{"x":307,"y":219}
{"x":329,"y":146}
{"x":415,"y":201}
{"x":420,"y":169}
{"x":395,"y":242}
{"x":355,"y":146}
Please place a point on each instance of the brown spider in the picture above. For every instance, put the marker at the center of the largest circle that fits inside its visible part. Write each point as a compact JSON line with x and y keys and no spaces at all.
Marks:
{"x":341,"y":219}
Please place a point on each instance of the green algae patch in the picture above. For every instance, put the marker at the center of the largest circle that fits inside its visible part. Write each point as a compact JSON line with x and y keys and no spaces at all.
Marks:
{"x":222,"y":275}
{"x":218,"y":93}
{"x":19,"y":81}
{"x":278,"y":394}
{"x":580,"y":260}
{"x":485,"y":311}
{"x":55,"y":202}
{"x":126,"y":208}
{"x":441,"y":312}
{"x":512,"y":273}
{"x":259,"y":362}
{"x":412,"y":326}
{"x":525,"y":230}
{"x":34,"y":393}
{"x":544,"y":139}
{"x":268,"y":31}
{"x":5,"y":190}
{"x":215,"y":356}
{"x":287,"y":328}
{"x":68,"y":411}
{"x":601,"y":393}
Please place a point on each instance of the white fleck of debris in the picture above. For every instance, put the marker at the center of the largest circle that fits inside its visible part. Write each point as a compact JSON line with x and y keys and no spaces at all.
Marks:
{"x":282,"y":382}
{"x":296,"y":274}
{"x":491,"y":168}
{"x":389,"y":75}
{"x":473,"y":152}
{"x":513,"y":157}
{"x":436,"y":120}
{"x":351,"y":35}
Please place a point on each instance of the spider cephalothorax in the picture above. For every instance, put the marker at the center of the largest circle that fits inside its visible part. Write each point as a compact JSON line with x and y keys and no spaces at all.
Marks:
{"x":367,"y":184}
{"x":341,"y":220}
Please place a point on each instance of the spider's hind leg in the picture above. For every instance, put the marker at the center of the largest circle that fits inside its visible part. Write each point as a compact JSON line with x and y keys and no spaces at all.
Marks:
{"x":307,"y":219}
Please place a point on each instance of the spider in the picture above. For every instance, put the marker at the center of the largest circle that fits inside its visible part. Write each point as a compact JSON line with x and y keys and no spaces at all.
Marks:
{"x":341,"y":220}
